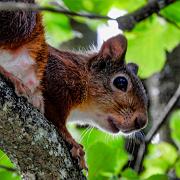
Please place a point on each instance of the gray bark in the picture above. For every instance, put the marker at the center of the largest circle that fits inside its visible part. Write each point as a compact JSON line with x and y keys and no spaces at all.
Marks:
{"x":31,"y":142}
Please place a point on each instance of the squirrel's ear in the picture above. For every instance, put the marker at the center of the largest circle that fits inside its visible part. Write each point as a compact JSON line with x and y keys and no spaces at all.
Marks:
{"x":114,"y":48}
{"x":133,"y":67}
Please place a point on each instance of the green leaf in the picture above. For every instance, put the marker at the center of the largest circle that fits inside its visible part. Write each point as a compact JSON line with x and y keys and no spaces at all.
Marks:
{"x":177,"y":168}
{"x":158,"y":177}
{"x":102,"y":7}
{"x":174,"y":126}
{"x":74,"y":6}
{"x":129,"y":5}
{"x":157,"y":160}
{"x":105,"y":154}
{"x":147,"y":44}
{"x":91,"y":136}
{"x":172,"y":12}
{"x":4,"y":174}
{"x":91,"y":6}
{"x":103,"y":159}
{"x":4,"y":160}
{"x":171,"y":37}
{"x":57,"y":28}
{"x":99,"y":6}
{"x":129,"y":174}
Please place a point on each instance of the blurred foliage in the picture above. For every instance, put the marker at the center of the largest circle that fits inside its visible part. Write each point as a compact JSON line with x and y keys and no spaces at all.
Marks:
{"x":147,"y":43}
{"x":147,"y":46}
{"x":172,"y":12}
{"x":174,"y":125}
{"x":105,"y":155}
{"x":160,"y":158}
{"x":5,"y":174}
{"x":175,"y":134}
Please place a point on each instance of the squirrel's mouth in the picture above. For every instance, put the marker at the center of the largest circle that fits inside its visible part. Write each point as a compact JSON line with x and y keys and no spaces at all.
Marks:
{"x":114,"y":127}
{"x":127,"y":129}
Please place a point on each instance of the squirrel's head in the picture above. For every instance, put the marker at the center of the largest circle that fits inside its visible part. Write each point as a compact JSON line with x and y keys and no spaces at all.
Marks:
{"x":116,"y":98}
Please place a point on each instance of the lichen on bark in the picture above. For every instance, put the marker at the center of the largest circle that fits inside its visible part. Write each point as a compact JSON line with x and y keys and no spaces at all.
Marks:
{"x":31,"y":142}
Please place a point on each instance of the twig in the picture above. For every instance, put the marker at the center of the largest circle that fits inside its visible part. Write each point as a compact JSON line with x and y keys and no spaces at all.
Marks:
{"x":163,"y":116}
{"x":13,"y":6}
{"x":8,"y":168}
{"x":128,"y":21}
{"x":155,"y":128}
{"x":169,"y":21}
{"x":140,"y":157}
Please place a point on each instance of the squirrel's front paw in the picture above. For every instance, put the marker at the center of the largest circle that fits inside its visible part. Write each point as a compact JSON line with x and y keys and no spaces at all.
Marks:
{"x":36,"y":98}
{"x":78,"y":153}
{"x":20,"y":88}
{"x":38,"y":101}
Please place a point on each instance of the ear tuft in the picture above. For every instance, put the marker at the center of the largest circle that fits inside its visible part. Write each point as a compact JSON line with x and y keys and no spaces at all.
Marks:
{"x":133,"y":67}
{"x":114,"y":48}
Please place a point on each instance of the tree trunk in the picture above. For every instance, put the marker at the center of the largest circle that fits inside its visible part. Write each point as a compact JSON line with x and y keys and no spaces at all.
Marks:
{"x":30,"y":141}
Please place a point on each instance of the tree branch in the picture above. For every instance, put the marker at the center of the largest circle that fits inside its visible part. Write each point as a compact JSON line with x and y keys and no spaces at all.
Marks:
{"x":163,"y":116}
{"x":30,"y":141}
{"x":13,"y":6}
{"x":127,"y":22}
{"x":8,"y":168}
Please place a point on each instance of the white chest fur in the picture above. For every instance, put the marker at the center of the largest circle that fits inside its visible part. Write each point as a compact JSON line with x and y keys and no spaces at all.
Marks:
{"x":21,"y":65}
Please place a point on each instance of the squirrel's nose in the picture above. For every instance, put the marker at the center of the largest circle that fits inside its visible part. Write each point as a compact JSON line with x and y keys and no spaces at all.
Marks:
{"x":140,"y":122}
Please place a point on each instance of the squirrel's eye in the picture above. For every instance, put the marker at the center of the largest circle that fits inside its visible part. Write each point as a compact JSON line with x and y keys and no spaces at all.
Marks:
{"x":121,"y":83}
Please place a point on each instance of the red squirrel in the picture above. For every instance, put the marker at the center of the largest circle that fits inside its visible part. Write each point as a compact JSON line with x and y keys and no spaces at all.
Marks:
{"x":98,"y":89}
{"x":23,"y":52}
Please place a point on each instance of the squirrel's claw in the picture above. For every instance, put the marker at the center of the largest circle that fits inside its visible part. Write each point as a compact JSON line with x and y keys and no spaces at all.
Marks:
{"x":78,"y":153}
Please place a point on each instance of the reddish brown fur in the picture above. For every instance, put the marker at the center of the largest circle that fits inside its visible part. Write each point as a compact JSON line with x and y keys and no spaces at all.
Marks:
{"x":65,"y":89}
{"x":22,"y":35}
{"x":68,"y":85}
{"x":36,"y":45}
{"x":82,"y":81}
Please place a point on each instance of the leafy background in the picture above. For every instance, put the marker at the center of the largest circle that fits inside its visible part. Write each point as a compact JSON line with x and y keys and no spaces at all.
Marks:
{"x":147,"y":46}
